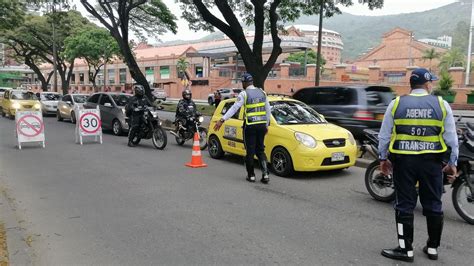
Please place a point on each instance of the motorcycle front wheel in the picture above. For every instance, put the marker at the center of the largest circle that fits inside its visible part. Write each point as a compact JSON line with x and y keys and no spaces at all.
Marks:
{"x":159,"y":138}
{"x":380,"y":187}
{"x":463,"y":201}
{"x":202,"y":138}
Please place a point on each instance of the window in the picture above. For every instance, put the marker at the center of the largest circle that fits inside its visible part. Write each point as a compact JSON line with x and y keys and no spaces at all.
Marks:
{"x":164,"y":72}
{"x":81,"y":78}
{"x":334,"y":96}
{"x":291,"y":113}
{"x":150,"y":75}
{"x":121,"y":99}
{"x":94,"y":98}
{"x":78,"y":98}
{"x":199,"y":72}
{"x":123,"y":75}
{"x":50,"y":97}
{"x":227,"y":107}
{"x":67,"y":98}
{"x":225,"y":72}
{"x":105,"y":99}
{"x":111,"y":76}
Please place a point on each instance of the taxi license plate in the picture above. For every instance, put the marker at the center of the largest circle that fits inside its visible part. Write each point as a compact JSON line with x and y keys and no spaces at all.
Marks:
{"x":379,"y":117}
{"x":337,"y":157}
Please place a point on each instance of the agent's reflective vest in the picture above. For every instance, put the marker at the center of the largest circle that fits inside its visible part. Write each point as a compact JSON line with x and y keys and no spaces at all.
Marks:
{"x":255,"y":112}
{"x":418,"y":125}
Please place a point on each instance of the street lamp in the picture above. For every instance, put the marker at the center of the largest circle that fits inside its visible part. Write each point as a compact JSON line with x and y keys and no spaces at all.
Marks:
{"x":468,"y":69}
{"x":320,"y":36}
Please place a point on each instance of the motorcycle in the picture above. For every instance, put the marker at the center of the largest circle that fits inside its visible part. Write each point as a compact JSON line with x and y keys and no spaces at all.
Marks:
{"x":151,"y":128}
{"x":381,"y":187}
{"x":183,"y":134}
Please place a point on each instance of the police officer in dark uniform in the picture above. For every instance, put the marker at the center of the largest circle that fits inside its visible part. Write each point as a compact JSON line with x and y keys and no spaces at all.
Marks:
{"x":256,"y":120}
{"x":134,"y":111}
{"x":417,"y":130}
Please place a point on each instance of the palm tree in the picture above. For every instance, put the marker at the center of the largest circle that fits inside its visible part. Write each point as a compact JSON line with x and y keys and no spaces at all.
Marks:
{"x":182,"y":65}
{"x":453,"y":58}
{"x":430,"y":54}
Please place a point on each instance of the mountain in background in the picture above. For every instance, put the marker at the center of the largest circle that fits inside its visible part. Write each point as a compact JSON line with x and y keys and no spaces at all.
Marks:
{"x":359,"y":33}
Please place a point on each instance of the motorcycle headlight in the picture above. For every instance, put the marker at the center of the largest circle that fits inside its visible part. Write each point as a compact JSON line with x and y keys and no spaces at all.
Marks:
{"x":123,"y":111}
{"x":37,"y":106}
{"x":201,"y":119}
{"x":305,"y":139}
{"x":351,"y":138}
{"x":16,"y":105}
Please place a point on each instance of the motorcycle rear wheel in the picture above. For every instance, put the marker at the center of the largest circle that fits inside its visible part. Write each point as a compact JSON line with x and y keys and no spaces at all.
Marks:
{"x":378,"y":191}
{"x":462,"y":203}
{"x":159,"y":138}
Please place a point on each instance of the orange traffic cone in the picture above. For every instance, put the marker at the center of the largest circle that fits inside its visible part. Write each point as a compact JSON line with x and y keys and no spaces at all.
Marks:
{"x":196,"y":160}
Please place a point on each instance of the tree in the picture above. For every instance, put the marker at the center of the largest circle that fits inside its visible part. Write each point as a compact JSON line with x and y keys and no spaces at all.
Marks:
{"x":299,"y":57}
{"x":430,"y":54}
{"x":96,"y":46}
{"x":140,"y":16}
{"x":11,"y":13}
{"x":453,"y":58}
{"x":444,"y":85}
{"x":263,"y":16}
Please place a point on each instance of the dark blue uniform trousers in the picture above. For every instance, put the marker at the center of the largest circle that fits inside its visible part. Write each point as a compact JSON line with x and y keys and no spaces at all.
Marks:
{"x":427,"y":170}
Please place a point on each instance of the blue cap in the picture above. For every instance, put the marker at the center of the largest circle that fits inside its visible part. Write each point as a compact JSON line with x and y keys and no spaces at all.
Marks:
{"x":420,"y":76}
{"x":246,"y":77}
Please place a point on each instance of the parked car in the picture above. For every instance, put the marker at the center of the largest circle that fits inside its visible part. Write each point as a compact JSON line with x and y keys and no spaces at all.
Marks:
{"x":18,"y":100}
{"x":49,"y":102}
{"x":298,"y":138}
{"x":2,"y":92}
{"x":226,"y":93}
{"x":68,"y":106}
{"x":355,"y":107}
{"x":159,"y":94}
{"x":112,"y":110}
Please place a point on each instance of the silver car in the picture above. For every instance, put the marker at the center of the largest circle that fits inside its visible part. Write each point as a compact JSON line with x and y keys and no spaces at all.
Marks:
{"x":49,"y":102}
{"x":68,"y":106}
{"x":112,"y":110}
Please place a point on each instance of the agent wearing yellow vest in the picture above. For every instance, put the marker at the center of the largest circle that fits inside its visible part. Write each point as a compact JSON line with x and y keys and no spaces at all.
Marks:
{"x":256,"y":120}
{"x":417,"y":130}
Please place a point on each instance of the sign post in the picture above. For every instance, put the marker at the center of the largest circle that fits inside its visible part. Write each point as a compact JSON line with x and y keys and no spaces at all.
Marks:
{"x":88,"y":124}
{"x":29,"y":127}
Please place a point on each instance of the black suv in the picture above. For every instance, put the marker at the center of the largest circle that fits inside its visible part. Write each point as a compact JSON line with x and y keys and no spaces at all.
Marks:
{"x":355,"y":107}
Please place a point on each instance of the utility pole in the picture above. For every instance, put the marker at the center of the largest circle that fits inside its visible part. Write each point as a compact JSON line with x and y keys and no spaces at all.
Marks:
{"x":320,"y":36}
{"x":469,"y":50}
{"x":55,"y":53}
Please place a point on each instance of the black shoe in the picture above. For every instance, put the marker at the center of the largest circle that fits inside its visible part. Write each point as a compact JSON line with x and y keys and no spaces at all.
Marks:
{"x":265,"y":179}
{"x":130,"y":144}
{"x":432,"y":253}
{"x":250,"y":178}
{"x":398,"y":254}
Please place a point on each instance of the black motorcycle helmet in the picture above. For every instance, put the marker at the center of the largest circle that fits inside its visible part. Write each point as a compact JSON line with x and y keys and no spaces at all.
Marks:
{"x":187,"y":95}
{"x":139,"y":90}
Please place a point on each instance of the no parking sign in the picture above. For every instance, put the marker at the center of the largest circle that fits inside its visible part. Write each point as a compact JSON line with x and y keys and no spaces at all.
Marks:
{"x":88,"y":124}
{"x":29,"y":127}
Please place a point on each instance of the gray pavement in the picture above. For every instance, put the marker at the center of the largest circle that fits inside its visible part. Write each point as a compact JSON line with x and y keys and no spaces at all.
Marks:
{"x":110,"y":204}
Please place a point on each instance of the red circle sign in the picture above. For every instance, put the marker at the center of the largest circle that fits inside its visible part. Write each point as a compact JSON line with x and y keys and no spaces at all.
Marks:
{"x":83,"y":127}
{"x":29,"y":125}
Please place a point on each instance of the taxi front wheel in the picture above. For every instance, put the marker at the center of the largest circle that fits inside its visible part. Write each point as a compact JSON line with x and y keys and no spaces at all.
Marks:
{"x":215,"y":148}
{"x":281,"y":162}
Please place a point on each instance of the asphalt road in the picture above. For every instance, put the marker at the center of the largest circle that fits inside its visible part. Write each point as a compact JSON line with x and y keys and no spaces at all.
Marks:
{"x":111,"y":204}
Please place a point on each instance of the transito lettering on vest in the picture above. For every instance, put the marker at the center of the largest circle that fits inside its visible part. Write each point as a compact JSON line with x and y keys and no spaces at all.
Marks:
{"x":419,"y":113}
{"x":414,"y":145}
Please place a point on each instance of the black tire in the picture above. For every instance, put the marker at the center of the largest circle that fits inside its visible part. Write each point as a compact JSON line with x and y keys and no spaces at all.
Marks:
{"x":12,"y":117}
{"x":73,"y":117}
{"x":58,"y":116}
{"x":457,"y":195}
{"x":202,"y":138}
{"x":179,"y":140}
{"x":370,"y":174}
{"x":136,"y":140}
{"x":281,"y":162}
{"x":1,"y":111}
{"x":215,"y":148}
{"x":210,"y":101}
{"x":117,"y":128}
{"x":159,"y":138}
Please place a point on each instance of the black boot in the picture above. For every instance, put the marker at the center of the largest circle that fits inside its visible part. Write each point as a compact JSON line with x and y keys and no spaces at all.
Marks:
{"x":404,"y":251}
{"x":435,"y":229}
{"x":250,"y":169}
{"x":265,"y":174}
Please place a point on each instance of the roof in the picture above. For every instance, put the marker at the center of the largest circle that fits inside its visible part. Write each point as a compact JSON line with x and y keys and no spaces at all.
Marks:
{"x":309,"y":27}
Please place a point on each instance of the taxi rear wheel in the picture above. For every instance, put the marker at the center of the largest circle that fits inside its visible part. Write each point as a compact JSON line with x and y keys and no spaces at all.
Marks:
{"x":281,"y":162}
{"x":215,"y":148}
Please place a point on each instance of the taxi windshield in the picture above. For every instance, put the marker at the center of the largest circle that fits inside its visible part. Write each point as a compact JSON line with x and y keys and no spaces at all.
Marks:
{"x":23,"y":95}
{"x":292,"y":113}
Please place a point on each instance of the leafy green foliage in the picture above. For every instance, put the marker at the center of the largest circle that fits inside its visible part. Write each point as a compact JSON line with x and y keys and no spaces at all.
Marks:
{"x":444,"y":85}
{"x":298,"y":57}
{"x":11,"y":13}
{"x":453,"y":58}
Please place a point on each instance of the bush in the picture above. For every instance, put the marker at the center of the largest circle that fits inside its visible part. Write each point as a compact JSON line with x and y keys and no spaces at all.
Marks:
{"x":444,"y":86}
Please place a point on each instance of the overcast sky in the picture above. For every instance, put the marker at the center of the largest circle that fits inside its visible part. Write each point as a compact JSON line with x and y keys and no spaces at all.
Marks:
{"x":390,"y":7}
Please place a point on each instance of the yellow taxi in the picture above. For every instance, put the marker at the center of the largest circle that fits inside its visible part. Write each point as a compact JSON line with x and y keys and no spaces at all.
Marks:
{"x":18,"y":100}
{"x":298,"y":138}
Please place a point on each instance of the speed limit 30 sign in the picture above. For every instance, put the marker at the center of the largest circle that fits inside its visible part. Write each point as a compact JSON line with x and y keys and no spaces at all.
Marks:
{"x":88,"y":124}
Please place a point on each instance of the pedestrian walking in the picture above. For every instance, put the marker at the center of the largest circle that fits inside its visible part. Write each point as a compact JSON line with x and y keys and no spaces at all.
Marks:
{"x":417,"y":130}
{"x":217,"y":98}
{"x":256,"y":121}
